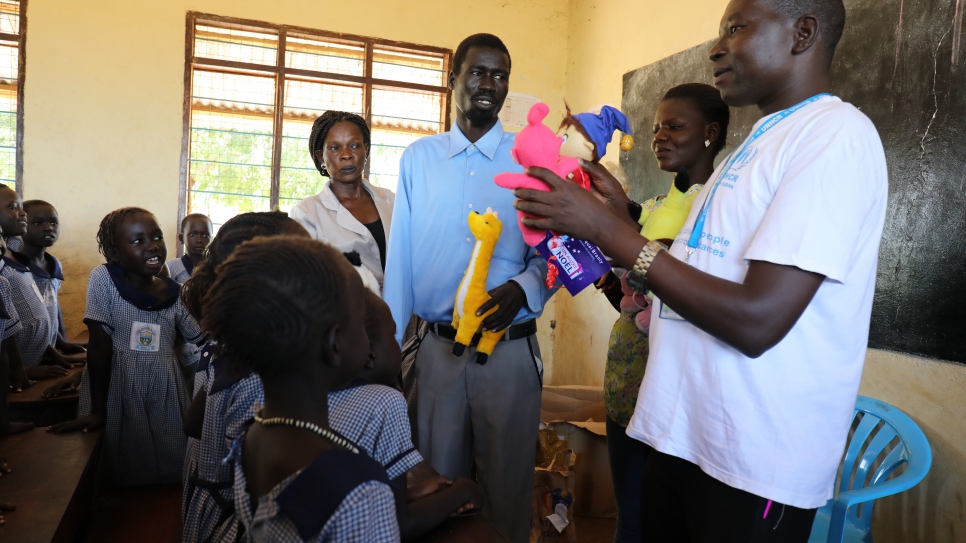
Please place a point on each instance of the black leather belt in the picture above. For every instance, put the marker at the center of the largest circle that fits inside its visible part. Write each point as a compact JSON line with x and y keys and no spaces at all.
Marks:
{"x":515,"y":331}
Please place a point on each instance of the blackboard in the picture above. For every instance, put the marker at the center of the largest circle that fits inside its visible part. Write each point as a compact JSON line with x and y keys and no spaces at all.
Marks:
{"x":904,"y":65}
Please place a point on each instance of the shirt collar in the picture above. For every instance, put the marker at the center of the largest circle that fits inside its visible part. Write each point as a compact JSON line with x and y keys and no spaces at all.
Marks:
{"x":136,"y":297}
{"x":189,"y":266}
{"x":22,"y":262}
{"x":487,"y":144}
{"x":332,"y":203}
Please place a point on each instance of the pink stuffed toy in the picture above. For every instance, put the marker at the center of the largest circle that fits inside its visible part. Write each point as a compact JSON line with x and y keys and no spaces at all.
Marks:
{"x":636,"y":304}
{"x":535,"y":145}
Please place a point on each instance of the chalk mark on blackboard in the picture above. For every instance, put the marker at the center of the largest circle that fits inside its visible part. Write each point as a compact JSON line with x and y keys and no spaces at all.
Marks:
{"x":895,"y":67}
{"x":957,"y":31}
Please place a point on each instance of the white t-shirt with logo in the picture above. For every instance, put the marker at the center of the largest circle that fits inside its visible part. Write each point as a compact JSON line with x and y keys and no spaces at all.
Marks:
{"x":810,"y":193}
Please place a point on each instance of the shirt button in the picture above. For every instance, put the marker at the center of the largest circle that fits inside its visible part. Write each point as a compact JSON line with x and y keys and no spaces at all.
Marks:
{"x":472,"y":173}
{"x":467,"y":240}
{"x":471,"y":206}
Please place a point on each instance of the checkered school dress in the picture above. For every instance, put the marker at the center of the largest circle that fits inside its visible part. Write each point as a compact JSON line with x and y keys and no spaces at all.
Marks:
{"x":180,"y":269}
{"x":192,"y":445}
{"x":339,"y":497}
{"x":375,"y":417}
{"x":49,"y":286}
{"x":9,"y":319}
{"x":144,"y":442}
{"x":14,"y":243}
{"x":36,"y":331}
{"x":209,"y":512}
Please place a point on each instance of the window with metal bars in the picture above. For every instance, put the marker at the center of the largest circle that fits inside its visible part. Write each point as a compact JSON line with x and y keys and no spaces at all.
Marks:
{"x":253,"y":90}
{"x":12,"y":27}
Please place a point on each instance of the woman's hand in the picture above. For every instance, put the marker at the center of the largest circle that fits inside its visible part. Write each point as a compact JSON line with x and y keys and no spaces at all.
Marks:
{"x":430,"y":486}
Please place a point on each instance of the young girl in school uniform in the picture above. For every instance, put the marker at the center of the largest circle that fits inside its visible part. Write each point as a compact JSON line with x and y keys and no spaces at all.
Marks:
{"x":136,"y":386}
{"x":194,"y":235}
{"x":288,"y":309}
{"x":43,"y":229}
{"x":37,"y":333}
{"x":226,"y":402}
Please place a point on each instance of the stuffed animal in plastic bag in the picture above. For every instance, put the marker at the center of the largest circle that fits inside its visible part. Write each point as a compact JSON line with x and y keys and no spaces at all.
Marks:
{"x":535,"y":145}
{"x":472,"y":293}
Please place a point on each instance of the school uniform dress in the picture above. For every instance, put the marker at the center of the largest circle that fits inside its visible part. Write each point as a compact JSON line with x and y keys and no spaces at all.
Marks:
{"x":209,"y":511}
{"x":36,"y":330}
{"x":200,"y":382}
{"x":807,"y":189}
{"x":14,"y":243}
{"x":144,"y":442}
{"x":328,"y":221}
{"x":340,"y":497}
{"x":49,"y":285}
{"x":9,"y":319}
{"x":180,"y":269}
{"x":375,"y":418}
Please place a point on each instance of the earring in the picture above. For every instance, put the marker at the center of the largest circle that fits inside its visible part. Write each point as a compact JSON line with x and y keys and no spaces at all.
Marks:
{"x":707,"y":143}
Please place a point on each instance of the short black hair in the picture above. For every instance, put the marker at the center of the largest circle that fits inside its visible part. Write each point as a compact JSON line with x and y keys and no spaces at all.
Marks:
{"x":233,"y":233}
{"x":184,"y":221}
{"x":33,"y":203}
{"x":488,"y":41}
{"x":107,"y":232}
{"x":830,"y":14}
{"x":709,"y":103}
{"x":324,"y":123}
{"x":273,"y":299}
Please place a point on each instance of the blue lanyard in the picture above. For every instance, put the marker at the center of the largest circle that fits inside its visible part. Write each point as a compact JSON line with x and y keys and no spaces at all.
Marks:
{"x":695,"y":239}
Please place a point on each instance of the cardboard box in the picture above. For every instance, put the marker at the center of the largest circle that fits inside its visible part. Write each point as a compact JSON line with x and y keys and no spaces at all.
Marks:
{"x":577,"y":414}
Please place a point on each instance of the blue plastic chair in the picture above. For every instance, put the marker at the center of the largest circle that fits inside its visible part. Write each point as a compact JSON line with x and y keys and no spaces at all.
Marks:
{"x":848,"y":516}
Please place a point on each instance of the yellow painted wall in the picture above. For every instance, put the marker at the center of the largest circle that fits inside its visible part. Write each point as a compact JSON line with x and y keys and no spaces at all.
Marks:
{"x":104,"y":91}
{"x":609,"y":38}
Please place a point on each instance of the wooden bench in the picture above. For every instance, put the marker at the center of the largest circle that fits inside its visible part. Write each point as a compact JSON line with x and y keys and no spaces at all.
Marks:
{"x":52,"y":484}
{"x":28,"y":406}
{"x":150,"y":514}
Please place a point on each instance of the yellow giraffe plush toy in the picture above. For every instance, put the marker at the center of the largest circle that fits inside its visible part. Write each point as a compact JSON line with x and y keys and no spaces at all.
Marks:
{"x":472,"y":293}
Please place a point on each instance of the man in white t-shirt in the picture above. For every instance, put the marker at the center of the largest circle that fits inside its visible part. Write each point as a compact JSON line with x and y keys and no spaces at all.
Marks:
{"x":763,"y":301}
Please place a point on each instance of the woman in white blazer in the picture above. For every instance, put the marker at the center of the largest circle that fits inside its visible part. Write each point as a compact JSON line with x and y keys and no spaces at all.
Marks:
{"x":349,"y":213}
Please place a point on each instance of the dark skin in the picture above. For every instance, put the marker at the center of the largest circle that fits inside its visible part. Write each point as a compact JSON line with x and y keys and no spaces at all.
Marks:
{"x":760,"y":58}
{"x":43,"y":229}
{"x":423,"y":506}
{"x":140,"y":253}
{"x":344,"y":154}
{"x":194,"y":417}
{"x":195,"y":236}
{"x":479,"y":90}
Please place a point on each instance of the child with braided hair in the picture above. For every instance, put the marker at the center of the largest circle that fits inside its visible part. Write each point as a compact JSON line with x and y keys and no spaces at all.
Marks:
{"x":287,"y":309}
{"x":136,"y":388}
{"x":223,"y":400}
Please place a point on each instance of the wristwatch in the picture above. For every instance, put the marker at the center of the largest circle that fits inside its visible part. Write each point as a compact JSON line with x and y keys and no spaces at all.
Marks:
{"x":637,"y":277}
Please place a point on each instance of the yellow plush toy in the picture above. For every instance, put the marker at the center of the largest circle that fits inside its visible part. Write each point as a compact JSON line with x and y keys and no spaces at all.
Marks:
{"x":472,"y":293}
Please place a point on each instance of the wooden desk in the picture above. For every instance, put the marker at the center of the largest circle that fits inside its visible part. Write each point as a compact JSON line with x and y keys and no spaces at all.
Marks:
{"x":149,"y":514}
{"x":28,"y":406}
{"x":52,"y":484}
{"x":464,"y":529}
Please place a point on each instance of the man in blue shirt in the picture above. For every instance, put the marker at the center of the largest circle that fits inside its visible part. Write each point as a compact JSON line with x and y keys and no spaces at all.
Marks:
{"x":468,"y":412}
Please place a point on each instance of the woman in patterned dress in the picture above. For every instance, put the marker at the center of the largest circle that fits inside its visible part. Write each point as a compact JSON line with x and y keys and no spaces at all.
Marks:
{"x":689,"y":131}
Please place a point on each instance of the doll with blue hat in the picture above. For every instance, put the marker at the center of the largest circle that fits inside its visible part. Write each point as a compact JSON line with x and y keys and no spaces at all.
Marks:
{"x":586,"y":136}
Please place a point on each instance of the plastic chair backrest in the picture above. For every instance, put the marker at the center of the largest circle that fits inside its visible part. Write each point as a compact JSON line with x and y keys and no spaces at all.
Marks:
{"x":863,"y":479}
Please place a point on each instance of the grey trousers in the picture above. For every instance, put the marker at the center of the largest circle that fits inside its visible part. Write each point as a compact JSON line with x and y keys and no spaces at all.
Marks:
{"x":489,"y":414}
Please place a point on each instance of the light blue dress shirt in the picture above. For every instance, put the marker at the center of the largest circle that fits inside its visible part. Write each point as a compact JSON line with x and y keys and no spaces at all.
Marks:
{"x":442,"y":179}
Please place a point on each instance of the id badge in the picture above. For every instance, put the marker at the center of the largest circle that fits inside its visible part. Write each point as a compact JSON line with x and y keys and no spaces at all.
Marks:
{"x":668,"y":313}
{"x":145,"y":337}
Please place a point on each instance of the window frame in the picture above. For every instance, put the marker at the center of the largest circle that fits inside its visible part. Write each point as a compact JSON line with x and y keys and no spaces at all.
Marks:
{"x":281,"y":72}
{"x":21,"y":39}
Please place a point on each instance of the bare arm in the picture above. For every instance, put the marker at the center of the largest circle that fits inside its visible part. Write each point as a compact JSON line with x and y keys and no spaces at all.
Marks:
{"x":194,"y":417}
{"x":752,"y":316}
